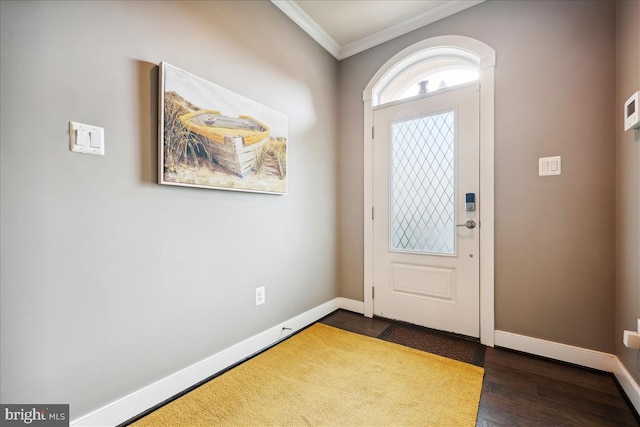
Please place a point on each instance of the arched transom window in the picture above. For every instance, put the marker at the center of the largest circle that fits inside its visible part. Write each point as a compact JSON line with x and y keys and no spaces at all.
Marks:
{"x":425,"y":72}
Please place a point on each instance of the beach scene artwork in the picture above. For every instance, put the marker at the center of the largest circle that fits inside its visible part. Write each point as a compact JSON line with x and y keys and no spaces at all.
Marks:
{"x":211,"y":137}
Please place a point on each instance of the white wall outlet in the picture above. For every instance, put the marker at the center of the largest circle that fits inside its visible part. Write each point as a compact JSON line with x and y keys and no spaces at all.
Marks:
{"x":260,"y":295}
{"x":639,"y":325}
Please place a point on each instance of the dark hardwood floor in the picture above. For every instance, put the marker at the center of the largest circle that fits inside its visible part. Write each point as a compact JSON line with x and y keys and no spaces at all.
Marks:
{"x":524,"y":390}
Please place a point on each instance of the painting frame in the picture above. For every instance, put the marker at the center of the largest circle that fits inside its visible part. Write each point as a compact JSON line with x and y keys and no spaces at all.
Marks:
{"x":213,"y":138}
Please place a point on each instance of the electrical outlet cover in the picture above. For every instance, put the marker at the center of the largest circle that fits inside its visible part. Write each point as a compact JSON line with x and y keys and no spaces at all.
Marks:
{"x":260,"y":295}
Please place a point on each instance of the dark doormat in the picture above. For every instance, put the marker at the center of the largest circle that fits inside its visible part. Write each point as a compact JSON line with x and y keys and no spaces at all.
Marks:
{"x":445,"y":344}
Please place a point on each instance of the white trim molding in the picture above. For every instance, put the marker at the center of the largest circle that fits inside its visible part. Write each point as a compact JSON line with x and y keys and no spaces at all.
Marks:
{"x":427,"y":17}
{"x":351,"y":305}
{"x":628,"y":384}
{"x":575,"y":355}
{"x":553,"y":350}
{"x":486,"y":58}
{"x":147,"y":397}
{"x":311,"y":27}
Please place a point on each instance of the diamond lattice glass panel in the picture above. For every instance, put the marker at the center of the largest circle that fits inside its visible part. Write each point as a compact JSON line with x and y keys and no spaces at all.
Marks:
{"x":422,"y":212}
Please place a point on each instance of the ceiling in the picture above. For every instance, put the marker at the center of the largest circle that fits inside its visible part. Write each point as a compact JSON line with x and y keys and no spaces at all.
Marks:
{"x":347,"y":27}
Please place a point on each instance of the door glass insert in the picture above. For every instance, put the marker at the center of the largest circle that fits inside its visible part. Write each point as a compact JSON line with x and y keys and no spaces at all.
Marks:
{"x":422,"y":199}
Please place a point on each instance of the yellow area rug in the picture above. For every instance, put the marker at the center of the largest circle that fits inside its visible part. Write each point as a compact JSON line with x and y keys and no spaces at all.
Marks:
{"x":327,"y":376}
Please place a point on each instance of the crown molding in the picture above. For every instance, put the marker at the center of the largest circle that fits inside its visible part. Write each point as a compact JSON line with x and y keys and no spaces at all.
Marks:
{"x":420,"y":20}
{"x":311,"y":27}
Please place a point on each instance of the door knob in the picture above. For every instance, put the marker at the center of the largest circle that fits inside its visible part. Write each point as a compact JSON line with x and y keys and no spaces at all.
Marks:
{"x":470,"y":224}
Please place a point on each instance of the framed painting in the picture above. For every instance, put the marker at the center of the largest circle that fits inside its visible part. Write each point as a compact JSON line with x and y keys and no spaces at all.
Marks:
{"x":211,"y":137}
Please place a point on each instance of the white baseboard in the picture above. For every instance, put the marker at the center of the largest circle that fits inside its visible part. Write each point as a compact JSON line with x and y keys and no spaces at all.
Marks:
{"x":351,"y":305}
{"x":137,"y":402}
{"x":628,"y":384}
{"x":576,"y":355}
{"x":553,"y":350}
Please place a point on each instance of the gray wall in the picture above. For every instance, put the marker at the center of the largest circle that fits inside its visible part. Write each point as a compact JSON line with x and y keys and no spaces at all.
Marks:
{"x":109,"y":281}
{"x":555,"y":88}
{"x":628,"y":184}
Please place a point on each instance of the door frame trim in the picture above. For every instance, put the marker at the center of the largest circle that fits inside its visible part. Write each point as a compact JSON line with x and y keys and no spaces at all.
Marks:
{"x":487,"y":60}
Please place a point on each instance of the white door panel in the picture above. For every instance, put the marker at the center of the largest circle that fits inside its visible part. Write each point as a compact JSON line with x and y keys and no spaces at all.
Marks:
{"x":426,"y":157}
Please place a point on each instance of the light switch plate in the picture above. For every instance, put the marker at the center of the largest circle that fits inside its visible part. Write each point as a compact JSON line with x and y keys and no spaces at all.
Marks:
{"x":86,"y":139}
{"x":549,"y":166}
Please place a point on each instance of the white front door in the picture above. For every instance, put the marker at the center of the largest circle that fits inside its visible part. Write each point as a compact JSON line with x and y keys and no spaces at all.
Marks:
{"x":425,"y":240}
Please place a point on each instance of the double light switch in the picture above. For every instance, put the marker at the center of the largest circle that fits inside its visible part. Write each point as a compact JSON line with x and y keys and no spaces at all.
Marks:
{"x":549,"y":166}
{"x":86,"y":139}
